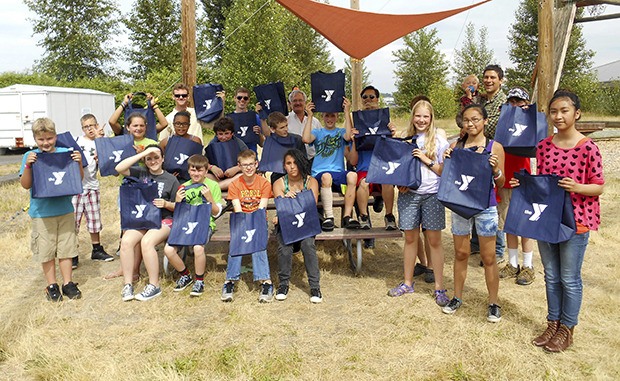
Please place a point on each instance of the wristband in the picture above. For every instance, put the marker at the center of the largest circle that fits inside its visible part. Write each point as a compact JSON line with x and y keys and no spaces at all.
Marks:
{"x":498,"y":175}
{"x":27,"y":166}
{"x":431,"y":164}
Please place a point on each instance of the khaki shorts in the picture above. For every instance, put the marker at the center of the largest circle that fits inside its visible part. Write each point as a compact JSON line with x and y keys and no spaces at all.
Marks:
{"x":53,"y":237}
{"x":505,"y":194}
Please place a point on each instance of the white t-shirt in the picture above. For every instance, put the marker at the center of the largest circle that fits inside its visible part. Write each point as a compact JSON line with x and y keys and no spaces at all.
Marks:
{"x":194,"y":127}
{"x":90,"y":172}
{"x":296,"y":126}
{"x":430,"y":180}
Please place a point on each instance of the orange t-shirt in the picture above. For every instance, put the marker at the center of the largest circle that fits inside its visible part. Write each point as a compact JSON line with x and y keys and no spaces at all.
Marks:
{"x":249,"y":195}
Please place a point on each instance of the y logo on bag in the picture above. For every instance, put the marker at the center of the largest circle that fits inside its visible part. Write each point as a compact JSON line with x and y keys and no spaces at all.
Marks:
{"x":243,"y":131}
{"x":392,"y":167}
{"x":518,"y":129}
{"x":464,"y":183}
{"x":58,"y":176}
{"x":208,"y":103}
{"x":249,"y":234}
{"x":538,"y":210}
{"x":181,"y":159}
{"x":328,"y":95}
{"x":300,"y":219}
{"x":268,"y":104}
{"x":373,"y":130}
{"x":116,"y":156}
{"x":139,"y":212}
{"x":189,"y":229}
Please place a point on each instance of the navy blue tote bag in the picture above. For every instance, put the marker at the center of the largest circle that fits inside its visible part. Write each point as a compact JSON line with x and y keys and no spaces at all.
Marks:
{"x":66,"y":140}
{"x":55,"y":174}
{"x":148,"y":112}
{"x":327,"y":91}
{"x":298,"y":218}
{"x":371,"y":125}
{"x":540,"y":209}
{"x":466,"y":182}
{"x":392,"y":163}
{"x":248,"y":232}
{"x":222,"y":154}
{"x":272,"y":98}
{"x":191,"y":224}
{"x":208,"y":106}
{"x":137,"y":209}
{"x":274,"y":149}
{"x":519,"y":131}
{"x":244,"y":123}
{"x":111,"y":151}
{"x":178,"y":150}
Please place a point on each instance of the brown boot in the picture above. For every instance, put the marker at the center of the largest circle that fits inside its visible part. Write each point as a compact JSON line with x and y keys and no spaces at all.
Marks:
{"x":543,"y":339}
{"x":562,"y":339}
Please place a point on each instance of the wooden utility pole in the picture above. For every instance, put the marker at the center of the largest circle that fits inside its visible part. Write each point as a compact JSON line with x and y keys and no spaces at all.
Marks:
{"x":356,"y":73}
{"x":545,"y":54}
{"x":188,"y":42}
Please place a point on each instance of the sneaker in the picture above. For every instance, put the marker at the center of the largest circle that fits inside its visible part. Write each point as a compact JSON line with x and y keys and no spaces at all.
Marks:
{"x":441,"y":298}
{"x":227,"y":292}
{"x":150,"y":291}
{"x":127,"y":293}
{"x":526,"y":276}
{"x":75,"y":261}
{"x":266,"y":293}
{"x":377,"y":206}
{"x":364,"y":222}
{"x":494,"y":315}
{"x":452,"y":306}
{"x":369,"y":243}
{"x":401,"y":290}
{"x":282,"y":292}
{"x":429,"y":276}
{"x":390,"y":222}
{"x":198,"y":288}
{"x":52,"y":292}
{"x":118,"y":251}
{"x":350,"y":223}
{"x":315,"y":295}
{"x":509,"y":271}
{"x":419,"y":269}
{"x":328,"y":224}
{"x":71,"y":291}
{"x":101,"y":255}
{"x":499,"y":260}
{"x":183,"y":282}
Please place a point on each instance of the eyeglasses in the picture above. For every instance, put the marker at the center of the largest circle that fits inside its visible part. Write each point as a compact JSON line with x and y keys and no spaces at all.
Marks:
{"x":180,"y":124}
{"x":245,"y":98}
{"x":365,"y":96}
{"x":89,"y":126}
{"x":181,"y":95}
{"x":248,"y":165}
{"x":472,"y":120}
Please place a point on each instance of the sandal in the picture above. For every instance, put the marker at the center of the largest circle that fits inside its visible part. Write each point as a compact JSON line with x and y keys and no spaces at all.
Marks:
{"x":400,"y":290}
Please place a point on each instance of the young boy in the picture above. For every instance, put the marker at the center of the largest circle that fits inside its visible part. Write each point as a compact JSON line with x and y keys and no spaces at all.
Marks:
{"x":249,"y":193}
{"x":197,"y":165}
{"x":224,"y":131}
{"x":242,"y":100}
{"x":278,"y":126}
{"x":328,"y":164}
{"x":88,"y":203}
{"x":53,"y":223}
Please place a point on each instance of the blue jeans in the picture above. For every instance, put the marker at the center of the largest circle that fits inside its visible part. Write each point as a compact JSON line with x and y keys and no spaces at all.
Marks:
{"x":562,"y":263}
{"x":260,"y":266}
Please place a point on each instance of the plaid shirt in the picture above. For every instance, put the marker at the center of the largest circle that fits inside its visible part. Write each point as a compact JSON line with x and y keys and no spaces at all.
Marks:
{"x":493,"y":107}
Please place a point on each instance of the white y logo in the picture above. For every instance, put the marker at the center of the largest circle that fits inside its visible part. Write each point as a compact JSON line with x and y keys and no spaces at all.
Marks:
{"x":190,"y":227}
{"x":139,"y":211}
{"x":244,"y":130}
{"x":57,"y":179}
{"x":519,"y":128}
{"x":328,"y":95}
{"x":393,"y":166}
{"x":117,"y":155}
{"x":268,"y":104}
{"x":208,"y":103}
{"x":300,"y":219}
{"x":249,"y":234}
{"x":373,"y":130}
{"x":538,"y":209}
{"x":466,"y":181}
{"x":181,"y":159}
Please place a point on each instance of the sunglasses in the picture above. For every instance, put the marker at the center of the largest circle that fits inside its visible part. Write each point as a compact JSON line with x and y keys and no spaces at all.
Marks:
{"x":181,"y":95}
{"x":239,"y":97}
{"x":368,"y":96}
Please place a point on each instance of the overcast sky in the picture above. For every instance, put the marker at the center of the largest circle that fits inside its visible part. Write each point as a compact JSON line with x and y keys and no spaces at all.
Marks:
{"x":19,"y":50}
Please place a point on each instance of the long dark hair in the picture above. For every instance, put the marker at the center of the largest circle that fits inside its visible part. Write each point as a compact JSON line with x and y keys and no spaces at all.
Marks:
{"x":303,"y":164}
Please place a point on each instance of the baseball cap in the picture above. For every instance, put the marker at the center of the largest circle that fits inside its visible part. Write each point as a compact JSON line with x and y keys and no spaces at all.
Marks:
{"x":518,"y":92}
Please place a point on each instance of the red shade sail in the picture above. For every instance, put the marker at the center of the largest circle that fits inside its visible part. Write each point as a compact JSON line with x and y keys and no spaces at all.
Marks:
{"x":348,"y":29}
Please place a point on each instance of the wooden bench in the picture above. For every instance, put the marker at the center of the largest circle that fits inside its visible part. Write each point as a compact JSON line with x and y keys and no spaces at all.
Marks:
{"x":588,"y":127}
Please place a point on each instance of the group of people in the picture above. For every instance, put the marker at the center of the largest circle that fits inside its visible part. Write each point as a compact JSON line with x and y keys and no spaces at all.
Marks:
{"x":324,"y":159}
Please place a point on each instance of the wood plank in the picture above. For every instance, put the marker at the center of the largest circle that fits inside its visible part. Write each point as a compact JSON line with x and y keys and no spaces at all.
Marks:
{"x":223,"y":235}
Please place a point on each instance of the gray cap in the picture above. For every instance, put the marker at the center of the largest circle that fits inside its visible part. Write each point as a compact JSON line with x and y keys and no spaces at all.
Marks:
{"x":518,"y":92}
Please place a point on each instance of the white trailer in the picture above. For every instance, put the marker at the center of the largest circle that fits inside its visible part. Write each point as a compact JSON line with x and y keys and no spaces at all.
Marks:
{"x":21,"y":105}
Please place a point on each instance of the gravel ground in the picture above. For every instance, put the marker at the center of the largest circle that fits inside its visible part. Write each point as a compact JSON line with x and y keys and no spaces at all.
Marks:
{"x":610,"y":149}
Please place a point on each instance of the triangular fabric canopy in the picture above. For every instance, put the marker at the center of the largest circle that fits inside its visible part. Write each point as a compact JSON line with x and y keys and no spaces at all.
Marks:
{"x":348,"y":28}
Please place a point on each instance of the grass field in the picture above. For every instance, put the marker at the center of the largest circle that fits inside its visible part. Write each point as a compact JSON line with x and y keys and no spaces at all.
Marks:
{"x":356,"y":333}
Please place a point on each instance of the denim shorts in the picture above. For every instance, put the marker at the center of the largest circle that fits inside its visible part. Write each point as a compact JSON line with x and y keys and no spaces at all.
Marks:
{"x":486,"y":223}
{"x":415,"y":209}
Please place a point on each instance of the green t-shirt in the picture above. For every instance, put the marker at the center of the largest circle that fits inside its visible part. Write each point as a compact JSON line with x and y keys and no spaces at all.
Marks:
{"x":194,"y":197}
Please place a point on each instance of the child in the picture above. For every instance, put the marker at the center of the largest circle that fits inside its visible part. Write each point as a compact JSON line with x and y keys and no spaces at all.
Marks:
{"x":181,"y":125}
{"x":278,"y":126}
{"x":116,"y":126}
{"x":242,"y":99}
{"x":249,"y":193}
{"x":53,"y":223}
{"x":474,"y":121}
{"x":470,"y":88}
{"x":197,"y":165}
{"x":224,"y":131}
{"x":328,"y":164}
{"x":584,"y":180}
{"x":297,"y":178}
{"x":420,"y":207}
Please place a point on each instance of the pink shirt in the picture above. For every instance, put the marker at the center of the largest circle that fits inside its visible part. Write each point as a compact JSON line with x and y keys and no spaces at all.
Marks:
{"x":583,"y":163}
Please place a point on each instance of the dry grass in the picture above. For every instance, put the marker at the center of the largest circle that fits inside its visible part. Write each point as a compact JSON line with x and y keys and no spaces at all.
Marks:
{"x":356,"y":333}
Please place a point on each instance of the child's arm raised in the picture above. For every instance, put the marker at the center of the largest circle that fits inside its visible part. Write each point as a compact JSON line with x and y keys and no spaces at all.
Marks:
{"x":307,"y":136}
{"x":348,"y":123}
{"x":113,"y":121}
{"x":123,"y":167}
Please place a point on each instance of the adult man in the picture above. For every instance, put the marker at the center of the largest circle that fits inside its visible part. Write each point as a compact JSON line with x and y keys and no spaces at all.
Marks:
{"x":492,"y":78}
{"x":297,"y":117}
{"x":242,"y":100}
{"x":180,"y":95}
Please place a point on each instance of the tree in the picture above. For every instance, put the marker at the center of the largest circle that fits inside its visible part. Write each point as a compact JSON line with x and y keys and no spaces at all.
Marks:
{"x":474,"y":55}
{"x":212,"y":28}
{"x":347,"y":76}
{"x":420,"y":67}
{"x":155,"y":36}
{"x":76,"y":36}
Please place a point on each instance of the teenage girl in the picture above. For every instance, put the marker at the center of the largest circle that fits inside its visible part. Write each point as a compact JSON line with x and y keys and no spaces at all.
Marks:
{"x":420,"y":206}
{"x":578,"y":161}
{"x":475,"y":118}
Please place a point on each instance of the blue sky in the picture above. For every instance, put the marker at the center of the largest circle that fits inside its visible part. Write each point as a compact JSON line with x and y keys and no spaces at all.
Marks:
{"x":19,"y":50}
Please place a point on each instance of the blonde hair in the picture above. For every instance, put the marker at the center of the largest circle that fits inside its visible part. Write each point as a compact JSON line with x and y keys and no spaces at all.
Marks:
{"x":430,"y":142}
{"x":42,"y":125}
